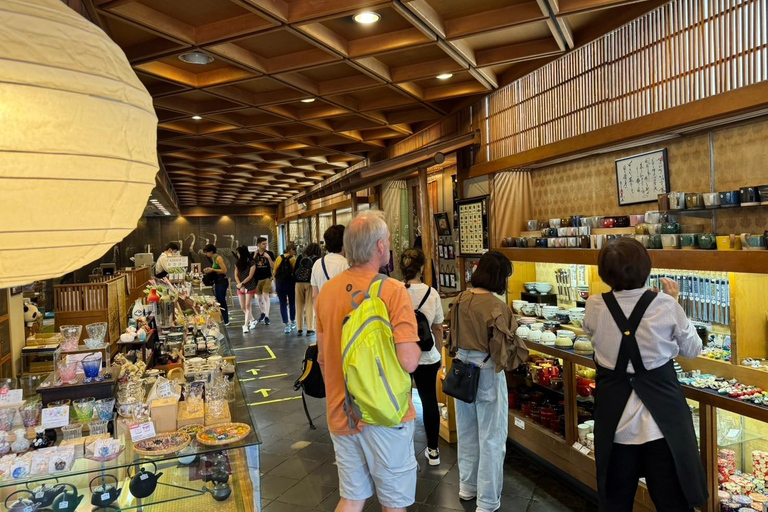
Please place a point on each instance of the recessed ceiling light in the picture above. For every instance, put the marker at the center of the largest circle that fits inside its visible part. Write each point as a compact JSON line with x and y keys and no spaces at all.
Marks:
{"x":366,"y":18}
{"x":444,"y":76}
{"x":308,"y":100}
{"x":198,"y":58}
{"x":198,"y":118}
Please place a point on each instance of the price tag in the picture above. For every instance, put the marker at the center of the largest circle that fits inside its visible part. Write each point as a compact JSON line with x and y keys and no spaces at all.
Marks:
{"x":142,"y":431}
{"x":11,"y":396}
{"x":143,"y":476}
{"x":63,"y":505}
{"x":519,"y":423}
{"x":585,"y":450}
{"x":39,"y":495}
{"x":54,"y":417}
{"x":105,"y":497}
{"x":164,"y":390}
{"x":578,"y":446}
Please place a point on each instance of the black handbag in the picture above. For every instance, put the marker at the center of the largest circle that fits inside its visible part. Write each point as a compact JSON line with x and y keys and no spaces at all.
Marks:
{"x":462,"y":379}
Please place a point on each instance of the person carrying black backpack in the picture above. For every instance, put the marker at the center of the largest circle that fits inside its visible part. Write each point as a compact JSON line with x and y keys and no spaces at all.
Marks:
{"x":286,"y":285}
{"x":429,"y":319}
{"x":303,"y":274}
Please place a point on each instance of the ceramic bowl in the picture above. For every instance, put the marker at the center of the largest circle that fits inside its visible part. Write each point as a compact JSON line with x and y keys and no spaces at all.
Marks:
{"x":543,"y":287}
{"x":527,"y":320}
{"x":577,"y":319}
{"x":537,"y":326}
{"x":517,"y":306}
{"x":548,"y":338}
{"x":577,"y":310}
{"x":523,"y":332}
{"x":562,"y":317}
{"x":528,"y":309}
{"x":531,"y":287}
{"x":566,"y":333}
{"x":534,"y":336}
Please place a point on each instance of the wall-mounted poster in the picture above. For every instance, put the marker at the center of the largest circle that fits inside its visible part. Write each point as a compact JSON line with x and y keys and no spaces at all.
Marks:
{"x":443,"y":225}
{"x":474,"y":236}
{"x":641,"y":178}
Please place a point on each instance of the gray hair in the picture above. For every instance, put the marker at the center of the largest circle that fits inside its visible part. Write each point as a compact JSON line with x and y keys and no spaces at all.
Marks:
{"x":362,"y":235}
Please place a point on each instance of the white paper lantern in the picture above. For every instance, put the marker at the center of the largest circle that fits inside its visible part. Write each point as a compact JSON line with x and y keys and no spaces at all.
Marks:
{"x":78,"y":152}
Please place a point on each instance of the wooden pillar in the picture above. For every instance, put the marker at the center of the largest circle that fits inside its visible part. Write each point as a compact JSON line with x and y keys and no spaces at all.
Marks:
{"x":317,"y":228}
{"x":427,"y":242}
{"x":333,"y":218}
{"x":463,"y":164}
{"x":355,"y":202}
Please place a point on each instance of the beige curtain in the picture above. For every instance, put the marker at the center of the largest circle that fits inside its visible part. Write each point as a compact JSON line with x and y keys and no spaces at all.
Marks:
{"x":394,"y":203}
{"x":512,"y":204}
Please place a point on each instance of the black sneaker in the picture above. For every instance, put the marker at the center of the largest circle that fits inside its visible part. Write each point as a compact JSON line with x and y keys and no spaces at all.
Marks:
{"x":299,"y":333}
{"x":310,"y":333}
{"x":266,"y":320}
{"x":261,"y":318}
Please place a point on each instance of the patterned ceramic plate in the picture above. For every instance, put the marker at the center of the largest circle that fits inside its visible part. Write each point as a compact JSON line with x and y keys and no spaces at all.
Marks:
{"x":223,"y":434}
{"x":163,"y":444}
{"x":191,"y":430}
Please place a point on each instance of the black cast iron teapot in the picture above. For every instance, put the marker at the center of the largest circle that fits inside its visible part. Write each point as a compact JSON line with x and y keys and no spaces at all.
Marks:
{"x":44,"y":493}
{"x":21,"y":504}
{"x":143,"y":482}
{"x":106,"y":493}
{"x":67,"y":501}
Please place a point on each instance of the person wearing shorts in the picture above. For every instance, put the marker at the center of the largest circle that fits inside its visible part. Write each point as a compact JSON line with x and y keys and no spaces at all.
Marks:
{"x":369,"y":458}
{"x":246,"y":285}
{"x":265,"y":262}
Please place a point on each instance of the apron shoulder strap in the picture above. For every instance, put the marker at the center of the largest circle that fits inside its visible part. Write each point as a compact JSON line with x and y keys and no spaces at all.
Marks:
{"x":629,"y":349}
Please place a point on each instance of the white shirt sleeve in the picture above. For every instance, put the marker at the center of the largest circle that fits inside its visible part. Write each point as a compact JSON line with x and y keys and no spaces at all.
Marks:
{"x":684,"y":332}
{"x":439,"y":318}
{"x":314,"y":279}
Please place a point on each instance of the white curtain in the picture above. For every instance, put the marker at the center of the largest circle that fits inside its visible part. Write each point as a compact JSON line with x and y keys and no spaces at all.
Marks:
{"x":394,"y":201}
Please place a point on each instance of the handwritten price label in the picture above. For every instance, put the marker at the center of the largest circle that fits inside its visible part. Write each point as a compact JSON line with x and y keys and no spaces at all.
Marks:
{"x":142,"y":431}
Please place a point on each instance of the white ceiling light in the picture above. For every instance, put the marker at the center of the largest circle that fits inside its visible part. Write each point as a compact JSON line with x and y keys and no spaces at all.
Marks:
{"x":444,"y":76}
{"x":366,"y":18}
{"x":197,"y":118}
{"x":198,"y":58}
{"x":308,"y":100}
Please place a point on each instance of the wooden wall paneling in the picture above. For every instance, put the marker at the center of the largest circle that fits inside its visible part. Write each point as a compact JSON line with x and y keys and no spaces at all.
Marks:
{"x":708,"y":449}
{"x":522,"y":272}
{"x":747,"y":321}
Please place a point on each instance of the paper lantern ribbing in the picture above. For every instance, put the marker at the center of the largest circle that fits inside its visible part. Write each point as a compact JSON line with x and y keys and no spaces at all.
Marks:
{"x":78,"y":142}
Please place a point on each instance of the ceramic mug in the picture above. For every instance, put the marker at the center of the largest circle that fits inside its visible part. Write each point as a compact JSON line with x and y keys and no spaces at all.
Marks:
{"x":749,"y":196}
{"x":610,"y":238}
{"x":643,"y":239}
{"x":670,"y":241}
{"x":573,"y":242}
{"x":551,"y":242}
{"x":566,"y":222}
{"x":584,"y":241}
{"x":711,"y":200}
{"x":522,"y":242}
{"x":728,"y":243}
{"x":552,"y":231}
{"x":608,"y":222}
{"x":752,"y":242}
{"x":622,"y":221}
{"x":561,"y":242}
{"x":654,"y":229}
{"x":694,"y":201}
{"x":663,"y":202}
{"x":532,"y":225}
{"x":554,"y":223}
{"x":641,"y":229}
{"x":562,"y":231}
{"x":707,"y":241}
{"x":592,"y":222}
{"x":635,"y":220}
{"x":577,"y":221}
{"x":688,"y":241}
{"x":585,"y":230}
{"x":670,"y":228}
{"x":541,"y":242}
{"x":676,"y":200}
{"x":507,"y":242}
{"x":654,"y":241}
{"x":763,"y":191}
{"x":573,"y":231}
{"x":597,"y":241}
{"x":730,"y":199}
{"x":652,"y":217}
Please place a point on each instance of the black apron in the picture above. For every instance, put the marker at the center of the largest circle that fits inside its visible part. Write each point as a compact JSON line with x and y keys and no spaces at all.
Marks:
{"x":661,"y":394}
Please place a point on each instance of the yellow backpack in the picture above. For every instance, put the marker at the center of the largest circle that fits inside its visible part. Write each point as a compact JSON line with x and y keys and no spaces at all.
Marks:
{"x":377,"y":387}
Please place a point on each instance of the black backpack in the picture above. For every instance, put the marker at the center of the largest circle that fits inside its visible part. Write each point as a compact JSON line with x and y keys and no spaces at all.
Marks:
{"x":303,"y":269}
{"x":311,"y":381}
{"x":285,"y":271}
{"x":426,"y":341}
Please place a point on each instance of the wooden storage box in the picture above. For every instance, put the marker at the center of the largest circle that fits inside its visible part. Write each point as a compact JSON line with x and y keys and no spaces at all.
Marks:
{"x":104,"y":389}
{"x":226,"y":417}
{"x":184,"y":418}
{"x":164,"y":412}
{"x":41,"y":338}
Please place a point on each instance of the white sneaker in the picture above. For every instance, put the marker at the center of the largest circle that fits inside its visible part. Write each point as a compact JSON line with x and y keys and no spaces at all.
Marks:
{"x":245,"y":329}
{"x":465,"y":496}
{"x":433,"y":457}
{"x":253,"y":324}
{"x":293,"y":325}
{"x":287,"y":329}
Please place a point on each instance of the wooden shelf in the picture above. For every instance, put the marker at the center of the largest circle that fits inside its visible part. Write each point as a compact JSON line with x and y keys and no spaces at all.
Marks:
{"x":755,"y":262}
{"x":561,"y":353}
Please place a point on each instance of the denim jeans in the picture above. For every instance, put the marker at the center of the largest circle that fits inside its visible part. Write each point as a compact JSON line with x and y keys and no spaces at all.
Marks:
{"x":220,"y":291}
{"x":286,"y":293}
{"x":482,"y":429}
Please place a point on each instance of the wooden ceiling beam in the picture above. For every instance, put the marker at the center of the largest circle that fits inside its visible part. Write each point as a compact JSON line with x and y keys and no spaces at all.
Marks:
{"x":578,"y":6}
{"x":425,"y":13}
{"x":381,"y":43}
{"x":411,"y":116}
{"x":329,"y":38}
{"x":299,"y":82}
{"x":322,"y":112}
{"x":478,"y":23}
{"x":231,"y":28}
{"x":425,"y":70}
{"x":413,"y":89}
{"x":223,"y":76}
{"x":347,"y":84}
{"x":300,"y":60}
{"x":274,"y":8}
{"x":155,"y":20}
{"x":453,"y":90}
{"x":169,"y":73}
{"x":376,"y":67}
{"x":303,"y":10}
{"x":153,"y":49}
{"x":558,"y":27}
{"x":240,"y":55}
{"x":519,"y":52}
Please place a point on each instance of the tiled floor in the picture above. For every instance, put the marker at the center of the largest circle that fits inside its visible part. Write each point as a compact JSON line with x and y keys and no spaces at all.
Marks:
{"x":298,"y":467}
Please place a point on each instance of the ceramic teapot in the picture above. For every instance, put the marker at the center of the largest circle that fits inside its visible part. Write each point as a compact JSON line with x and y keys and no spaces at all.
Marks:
{"x":221,"y":491}
{"x":143,"y":482}
{"x":44,"y":493}
{"x":67,"y":501}
{"x":106,"y":493}
{"x":21,"y":504}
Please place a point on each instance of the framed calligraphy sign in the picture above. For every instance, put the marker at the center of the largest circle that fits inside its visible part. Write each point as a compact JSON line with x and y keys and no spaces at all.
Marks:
{"x":641,"y":178}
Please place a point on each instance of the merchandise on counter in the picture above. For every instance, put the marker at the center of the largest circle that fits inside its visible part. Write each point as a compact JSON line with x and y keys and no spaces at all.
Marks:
{"x":227,"y":433}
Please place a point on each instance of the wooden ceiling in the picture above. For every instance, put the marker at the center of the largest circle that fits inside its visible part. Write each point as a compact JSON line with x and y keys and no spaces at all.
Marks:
{"x":257,"y":143}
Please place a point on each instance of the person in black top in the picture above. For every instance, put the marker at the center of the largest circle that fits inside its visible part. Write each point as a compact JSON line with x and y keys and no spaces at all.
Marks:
{"x":286,"y":286}
{"x":265,"y":262}
{"x":245,"y":276}
{"x":303,"y":273}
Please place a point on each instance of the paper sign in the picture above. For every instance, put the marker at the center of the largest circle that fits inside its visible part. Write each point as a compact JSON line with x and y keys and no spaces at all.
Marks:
{"x":164,"y":390}
{"x":585,"y":450}
{"x":519,"y":423}
{"x":142,"y":431}
{"x":54,"y":417}
{"x":577,"y":445}
{"x":177,"y":262}
{"x":13,"y":396}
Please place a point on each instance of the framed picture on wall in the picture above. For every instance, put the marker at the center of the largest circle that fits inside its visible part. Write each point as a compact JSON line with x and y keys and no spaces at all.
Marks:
{"x":474,"y":227}
{"x":15,"y":290}
{"x":641,"y":178}
{"x":442,"y":224}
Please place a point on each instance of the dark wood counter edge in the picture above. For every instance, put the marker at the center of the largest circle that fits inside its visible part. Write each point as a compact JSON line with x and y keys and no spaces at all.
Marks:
{"x":755,"y":262}
{"x":568,"y":355}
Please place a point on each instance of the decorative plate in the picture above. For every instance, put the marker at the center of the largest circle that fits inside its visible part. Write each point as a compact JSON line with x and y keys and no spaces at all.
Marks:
{"x":163,"y":444}
{"x":191,"y":430}
{"x":224,"y":433}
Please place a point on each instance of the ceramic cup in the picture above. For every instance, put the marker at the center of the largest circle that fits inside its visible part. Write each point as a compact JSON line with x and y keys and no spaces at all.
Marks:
{"x":652,"y":217}
{"x":749,"y":196}
{"x":554,"y":223}
{"x":752,"y":242}
{"x":634,"y":220}
{"x":643,"y":239}
{"x":591,"y":222}
{"x":584,"y":241}
{"x":566,"y":222}
{"x":561,"y":242}
{"x":694,"y":201}
{"x":597,"y":241}
{"x":676,"y":200}
{"x":670,"y":228}
{"x":608,"y":222}
{"x":688,"y":241}
{"x":562,"y":231}
{"x":730,"y":199}
{"x":670,"y":241}
{"x":654,"y":241}
{"x":551,"y":242}
{"x":641,"y":229}
{"x":577,"y":221}
{"x":763,"y":191}
{"x":728,"y":243}
{"x":585,"y":230}
{"x":532,"y":225}
{"x":707,"y":241}
{"x":551,"y":232}
{"x":654,"y":229}
{"x":522,"y":242}
{"x":663,"y":202}
{"x":573,"y":242}
{"x":622,"y":221}
{"x":711,"y":200}
{"x":541,"y":242}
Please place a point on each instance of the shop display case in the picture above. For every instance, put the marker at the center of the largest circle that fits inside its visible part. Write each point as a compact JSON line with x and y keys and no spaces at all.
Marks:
{"x":730,"y":423}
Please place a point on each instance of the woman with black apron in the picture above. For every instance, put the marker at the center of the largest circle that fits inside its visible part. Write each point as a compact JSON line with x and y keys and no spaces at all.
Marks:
{"x":643,"y":427}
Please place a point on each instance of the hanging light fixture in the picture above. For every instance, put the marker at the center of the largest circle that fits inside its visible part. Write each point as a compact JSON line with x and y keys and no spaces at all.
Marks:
{"x":78,"y":142}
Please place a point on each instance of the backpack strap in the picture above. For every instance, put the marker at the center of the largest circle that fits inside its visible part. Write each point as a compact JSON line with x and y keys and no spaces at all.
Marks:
{"x":325,"y":270}
{"x":426,"y":296}
{"x":374,"y":290}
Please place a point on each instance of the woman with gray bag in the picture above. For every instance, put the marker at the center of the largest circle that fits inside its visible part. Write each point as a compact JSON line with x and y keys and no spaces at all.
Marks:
{"x":483,"y":341}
